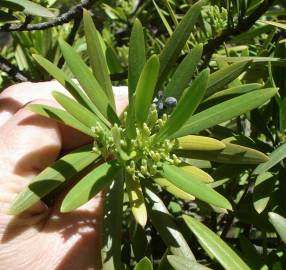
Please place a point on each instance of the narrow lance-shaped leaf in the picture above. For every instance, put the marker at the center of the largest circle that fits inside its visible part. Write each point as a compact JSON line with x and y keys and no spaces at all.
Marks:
{"x":201,"y":143}
{"x":88,"y":82}
{"x":165,"y":225}
{"x":231,"y":154}
{"x":77,"y":110}
{"x":136,"y":200}
{"x":144,"y":264}
{"x":60,"y":116}
{"x":67,"y":83}
{"x":178,"y":39}
{"x":89,"y":186}
{"x":145,"y":89}
{"x":112,"y":224}
{"x":279,"y":224}
{"x":136,"y":57}
{"x":215,"y":245}
{"x":28,"y":7}
{"x":184,"y":263}
{"x":97,"y":56}
{"x":224,"y":76}
{"x":184,"y":73}
{"x":163,"y":19}
{"x":225,"y":111}
{"x":186,"y":107}
{"x":275,"y":157}
{"x":48,"y":180}
{"x":190,"y":183}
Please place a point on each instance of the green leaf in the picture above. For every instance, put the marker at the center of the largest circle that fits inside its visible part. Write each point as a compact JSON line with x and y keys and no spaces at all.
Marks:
{"x":70,"y":85}
{"x":60,"y":116}
{"x":6,"y":17}
{"x":279,"y":223}
{"x":231,"y":154}
{"x":144,"y":264}
{"x":274,"y":158}
{"x":145,"y":89}
{"x":97,"y":57}
{"x":178,"y":39}
{"x":165,"y":224}
{"x":136,"y":200}
{"x":186,"y":107}
{"x":112,"y":225}
{"x":225,"y":111}
{"x":184,"y":73}
{"x":89,"y":186}
{"x":28,"y":7}
{"x":224,"y":76}
{"x":136,"y":58}
{"x":215,"y":245}
{"x":163,"y":19}
{"x":48,"y":180}
{"x":183,"y":263}
{"x":190,"y":183}
{"x":201,"y":143}
{"x":78,"y":111}
{"x":88,"y":82}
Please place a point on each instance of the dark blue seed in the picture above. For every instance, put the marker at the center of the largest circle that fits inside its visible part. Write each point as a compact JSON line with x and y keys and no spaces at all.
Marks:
{"x":170,"y":102}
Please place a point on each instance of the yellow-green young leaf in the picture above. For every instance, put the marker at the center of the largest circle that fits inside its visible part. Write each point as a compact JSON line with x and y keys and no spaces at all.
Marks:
{"x":264,"y":186}
{"x":164,"y":183}
{"x":184,"y":73}
{"x":237,"y":90}
{"x":201,"y":143}
{"x":144,"y":264}
{"x":112,"y":224}
{"x":190,"y":183}
{"x":48,"y":180}
{"x":60,"y":116}
{"x":214,"y":244}
{"x":145,"y":88}
{"x":28,"y":7}
{"x":186,"y":107}
{"x":224,"y":76}
{"x":68,"y":84}
{"x":78,"y":111}
{"x":89,"y":186}
{"x":274,"y":158}
{"x":184,"y":263}
{"x":231,"y":154}
{"x":165,"y":225}
{"x":136,"y":57}
{"x":202,"y":175}
{"x":279,"y":223}
{"x":97,"y":56}
{"x":136,"y":200}
{"x":225,"y":111}
{"x":277,"y":24}
{"x":178,"y":39}
{"x":88,"y":82}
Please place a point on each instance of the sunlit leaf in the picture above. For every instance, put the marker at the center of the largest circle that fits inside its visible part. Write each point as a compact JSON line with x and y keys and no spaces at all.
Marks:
{"x":145,"y":88}
{"x":214,"y":244}
{"x":191,"y":184}
{"x":48,"y":180}
{"x":183,"y":263}
{"x":89,"y":186}
{"x":279,"y":223}
{"x":97,"y":56}
{"x":225,"y":111}
{"x":144,"y":264}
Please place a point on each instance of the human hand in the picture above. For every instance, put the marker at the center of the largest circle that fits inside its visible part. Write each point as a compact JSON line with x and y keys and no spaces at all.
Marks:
{"x":41,"y":238}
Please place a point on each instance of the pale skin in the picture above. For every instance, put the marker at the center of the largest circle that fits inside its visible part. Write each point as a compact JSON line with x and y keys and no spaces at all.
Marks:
{"x":42,"y":238}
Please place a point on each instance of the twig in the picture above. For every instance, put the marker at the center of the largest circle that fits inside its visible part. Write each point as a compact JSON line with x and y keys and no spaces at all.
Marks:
{"x":60,"y":20}
{"x":241,"y":27}
{"x":12,"y":70}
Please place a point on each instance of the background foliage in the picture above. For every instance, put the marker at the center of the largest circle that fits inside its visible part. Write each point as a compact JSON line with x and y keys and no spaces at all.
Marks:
{"x":244,"y":43}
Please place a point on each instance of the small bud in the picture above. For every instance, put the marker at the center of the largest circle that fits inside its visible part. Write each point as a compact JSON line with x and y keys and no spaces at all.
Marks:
{"x":146,"y":130}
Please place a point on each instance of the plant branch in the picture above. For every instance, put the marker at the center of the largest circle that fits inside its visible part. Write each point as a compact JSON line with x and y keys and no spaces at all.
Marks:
{"x":60,"y":20}
{"x":244,"y":25}
{"x":12,"y":70}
